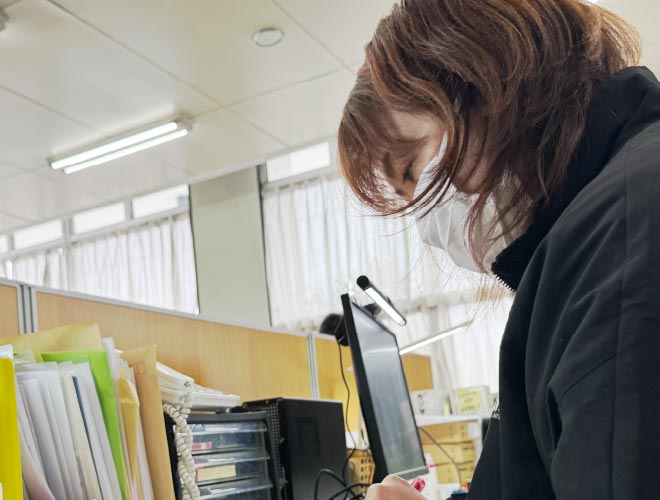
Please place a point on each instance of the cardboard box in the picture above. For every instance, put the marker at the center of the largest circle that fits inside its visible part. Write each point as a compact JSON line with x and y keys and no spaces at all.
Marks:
{"x":429,"y":402}
{"x":454,"y":432}
{"x":447,"y":472}
{"x":471,"y":400}
{"x":459,"y":452}
{"x":361,"y":469}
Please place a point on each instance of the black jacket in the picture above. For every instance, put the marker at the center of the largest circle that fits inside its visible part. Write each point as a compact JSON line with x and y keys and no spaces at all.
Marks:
{"x":579,"y":407}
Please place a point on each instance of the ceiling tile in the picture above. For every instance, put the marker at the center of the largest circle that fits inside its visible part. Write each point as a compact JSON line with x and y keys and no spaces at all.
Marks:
{"x":7,"y":3}
{"x":55,"y":59}
{"x":208,"y":44}
{"x":303,"y":112}
{"x":643,"y":14}
{"x":30,"y":196}
{"x":10,"y":222}
{"x":29,"y":133}
{"x":122,"y":178}
{"x":7,"y":170}
{"x":344,"y":26}
{"x":219,"y":142}
{"x":651,"y":58}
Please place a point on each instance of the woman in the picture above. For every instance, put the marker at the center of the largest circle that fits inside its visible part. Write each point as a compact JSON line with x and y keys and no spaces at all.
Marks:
{"x":524,"y":124}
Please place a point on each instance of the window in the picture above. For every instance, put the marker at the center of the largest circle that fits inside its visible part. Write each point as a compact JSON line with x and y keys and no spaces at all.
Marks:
{"x":298,"y":162}
{"x":318,"y":241}
{"x":146,"y":257}
{"x":98,"y":218}
{"x":36,"y":235}
{"x":162,"y":201}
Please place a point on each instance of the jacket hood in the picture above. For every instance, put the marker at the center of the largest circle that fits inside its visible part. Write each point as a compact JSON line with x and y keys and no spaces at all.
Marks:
{"x":621,"y":107}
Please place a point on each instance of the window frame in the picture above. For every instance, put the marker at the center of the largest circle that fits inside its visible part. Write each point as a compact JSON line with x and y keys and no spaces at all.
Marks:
{"x":69,"y":237}
{"x":267,"y":185}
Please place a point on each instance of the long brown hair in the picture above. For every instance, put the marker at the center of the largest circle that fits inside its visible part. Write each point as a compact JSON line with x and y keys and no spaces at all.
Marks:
{"x":510,"y":80}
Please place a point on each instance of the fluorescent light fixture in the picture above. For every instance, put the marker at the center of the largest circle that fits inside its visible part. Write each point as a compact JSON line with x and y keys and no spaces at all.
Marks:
{"x":380,"y":300}
{"x":434,"y":338}
{"x":122,"y":146}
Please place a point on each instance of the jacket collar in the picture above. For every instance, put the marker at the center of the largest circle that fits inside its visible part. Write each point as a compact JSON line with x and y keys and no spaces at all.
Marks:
{"x":621,"y":107}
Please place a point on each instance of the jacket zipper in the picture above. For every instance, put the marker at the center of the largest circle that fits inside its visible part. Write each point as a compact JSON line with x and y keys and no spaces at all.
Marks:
{"x":501,"y":281}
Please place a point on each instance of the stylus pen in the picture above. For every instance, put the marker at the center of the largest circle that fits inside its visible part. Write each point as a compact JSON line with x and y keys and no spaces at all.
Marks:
{"x":419,"y":484}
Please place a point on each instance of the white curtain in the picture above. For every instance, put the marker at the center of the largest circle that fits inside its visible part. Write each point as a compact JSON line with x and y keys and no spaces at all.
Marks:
{"x":151,"y":264}
{"x":319,"y":240}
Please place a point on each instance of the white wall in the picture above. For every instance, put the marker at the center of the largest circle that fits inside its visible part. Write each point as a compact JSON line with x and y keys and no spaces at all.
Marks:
{"x":227,"y":230}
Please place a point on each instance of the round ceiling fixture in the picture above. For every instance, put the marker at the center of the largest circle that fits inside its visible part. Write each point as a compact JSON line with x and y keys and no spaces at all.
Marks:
{"x":267,"y":37}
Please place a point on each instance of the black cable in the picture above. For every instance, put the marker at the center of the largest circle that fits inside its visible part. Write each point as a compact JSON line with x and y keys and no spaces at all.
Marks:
{"x":330,"y":473}
{"x":348,"y":488}
{"x":333,"y":474}
{"x":348,"y":402}
{"x":458,"y":470}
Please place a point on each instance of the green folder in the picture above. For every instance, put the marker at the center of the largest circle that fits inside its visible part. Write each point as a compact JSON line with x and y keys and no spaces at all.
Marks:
{"x":98,"y":364}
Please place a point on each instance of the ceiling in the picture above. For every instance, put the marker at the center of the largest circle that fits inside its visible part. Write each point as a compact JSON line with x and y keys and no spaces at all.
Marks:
{"x":76,"y":71}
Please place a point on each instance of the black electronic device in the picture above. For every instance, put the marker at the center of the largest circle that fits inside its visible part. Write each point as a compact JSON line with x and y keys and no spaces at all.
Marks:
{"x":458,"y":496}
{"x":233,"y":455}
{"x":384,"y":397}
{"x":311,"y":437}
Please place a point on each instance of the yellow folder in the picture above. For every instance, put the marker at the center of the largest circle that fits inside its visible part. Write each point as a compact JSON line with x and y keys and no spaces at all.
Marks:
{"x":130,"y":408}
{"x":10,"y":460}
{"x":66,"y":338}
{"x":143,"y":362}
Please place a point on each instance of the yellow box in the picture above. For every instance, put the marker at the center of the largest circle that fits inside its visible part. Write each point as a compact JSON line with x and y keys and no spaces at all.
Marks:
{"x":447,"y":472}
{"x":454,"y":432}
{"x":459,"y":452}
{"x":471,"y":400}
{"x":362,"y":469}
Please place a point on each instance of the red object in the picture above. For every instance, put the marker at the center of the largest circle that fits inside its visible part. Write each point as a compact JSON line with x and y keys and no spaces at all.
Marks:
{"x":419,"y":484}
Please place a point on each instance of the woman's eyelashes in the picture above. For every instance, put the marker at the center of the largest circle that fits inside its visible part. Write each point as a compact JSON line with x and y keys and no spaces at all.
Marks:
{"x":408,"y":173}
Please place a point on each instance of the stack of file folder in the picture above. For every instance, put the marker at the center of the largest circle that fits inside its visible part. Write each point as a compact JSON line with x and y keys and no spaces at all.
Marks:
{"x":81,"y":420}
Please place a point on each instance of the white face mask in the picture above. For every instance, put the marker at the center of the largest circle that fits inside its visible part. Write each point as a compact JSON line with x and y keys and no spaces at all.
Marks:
{"x":445,"y":226}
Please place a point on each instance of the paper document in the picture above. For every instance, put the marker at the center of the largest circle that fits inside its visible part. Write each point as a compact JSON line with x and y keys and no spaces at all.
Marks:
{"x":113,"y":365}
{"x":39,"y":416}
{"x":130,"y":408}
{"x":48,"y":378}
{"x":26,"y":433}
{"x":33,"y":481}
{"x":145,"y":474}
{"x":100,"y":369}
{"x":96,"y":431}
{"x":80,"y":439}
